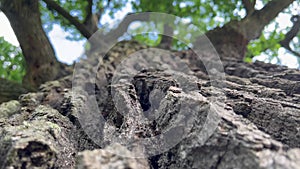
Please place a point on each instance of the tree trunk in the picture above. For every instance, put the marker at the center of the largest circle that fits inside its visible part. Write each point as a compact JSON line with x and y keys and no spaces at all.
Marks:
{"x":166,"y":39}
{"x":228,"y":42}
{"x":232,"y":39}
{"x":251,"y":121}
{"x":41,"y":63}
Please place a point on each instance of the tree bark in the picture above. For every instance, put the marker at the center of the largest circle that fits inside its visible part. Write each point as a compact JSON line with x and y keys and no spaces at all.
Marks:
{"x":257,"y":122}
{"x":249,"y":6}
{"x":41,"y":63}
{"x":166,"y":40}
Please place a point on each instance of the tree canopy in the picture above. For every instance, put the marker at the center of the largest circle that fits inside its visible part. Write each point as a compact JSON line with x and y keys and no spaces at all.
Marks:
{"x":83,"y":18}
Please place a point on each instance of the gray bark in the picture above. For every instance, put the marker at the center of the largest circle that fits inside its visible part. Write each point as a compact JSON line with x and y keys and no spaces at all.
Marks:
{"x":254,"y":116}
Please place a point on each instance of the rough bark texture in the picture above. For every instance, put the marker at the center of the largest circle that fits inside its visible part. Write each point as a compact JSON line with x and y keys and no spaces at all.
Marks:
{"x":41,"y":63}
{"x":107,"y":158}
{"x":258,"y":109}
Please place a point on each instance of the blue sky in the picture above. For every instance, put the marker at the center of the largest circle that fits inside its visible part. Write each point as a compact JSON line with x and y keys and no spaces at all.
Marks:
{"x":66,"y":51}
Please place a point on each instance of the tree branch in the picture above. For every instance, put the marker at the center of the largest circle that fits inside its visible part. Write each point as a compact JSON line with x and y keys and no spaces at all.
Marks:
{"x":166,"y":40}
{"x":291,"y":34}
{"x":101,"y":10}
{"x":92,"y":19}
{"x":89,"y":9}
{"x":260,"y":18}
{"x":73,"y":20}
{"x":123,"y":26}
{"x":271,"y":10}
{"x":103,"y":41}
{"x":294,"y":53}
{"x":249,"y":6}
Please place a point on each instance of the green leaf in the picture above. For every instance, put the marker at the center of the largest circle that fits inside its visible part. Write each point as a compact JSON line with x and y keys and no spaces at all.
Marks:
{"x":11,"y":61}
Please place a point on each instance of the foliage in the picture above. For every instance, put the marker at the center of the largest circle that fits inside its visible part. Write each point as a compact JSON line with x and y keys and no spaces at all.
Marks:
{"x":266,"y":43}
{"x":204,"y":15}
{"x":79,"y":10}
{"x":50,"y":17}
{"x":198,"y":12}
{"x":11,"y":61}
{"x":207,"y":15}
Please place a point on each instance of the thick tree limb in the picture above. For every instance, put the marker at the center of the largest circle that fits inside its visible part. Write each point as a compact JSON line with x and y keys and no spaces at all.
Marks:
{"x":239,"y":33}
{"x":249,"y":6}
{"x":104,"y":41}
{"x":260,"y":18}
{"x":91,"y":20}
{"x":291,"y":34}
{"x":89,"y":9}
{"x":294,"y":52}
{"x":73,"y":20}
{"x":123,"y":26}
{"x":166,"y":40}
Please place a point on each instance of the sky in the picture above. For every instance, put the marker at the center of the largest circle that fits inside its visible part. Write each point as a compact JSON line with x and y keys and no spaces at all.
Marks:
{"x":68,"y":51}
{"x":285,"y":57}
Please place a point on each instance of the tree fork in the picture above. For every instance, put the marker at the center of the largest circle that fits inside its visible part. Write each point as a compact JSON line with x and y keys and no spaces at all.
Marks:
{"x":245,"y":30}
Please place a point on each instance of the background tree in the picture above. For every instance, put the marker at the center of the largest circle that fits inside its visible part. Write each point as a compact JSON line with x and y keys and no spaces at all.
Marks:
{"x":221,"y":12}
{"x":25,"y":19}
